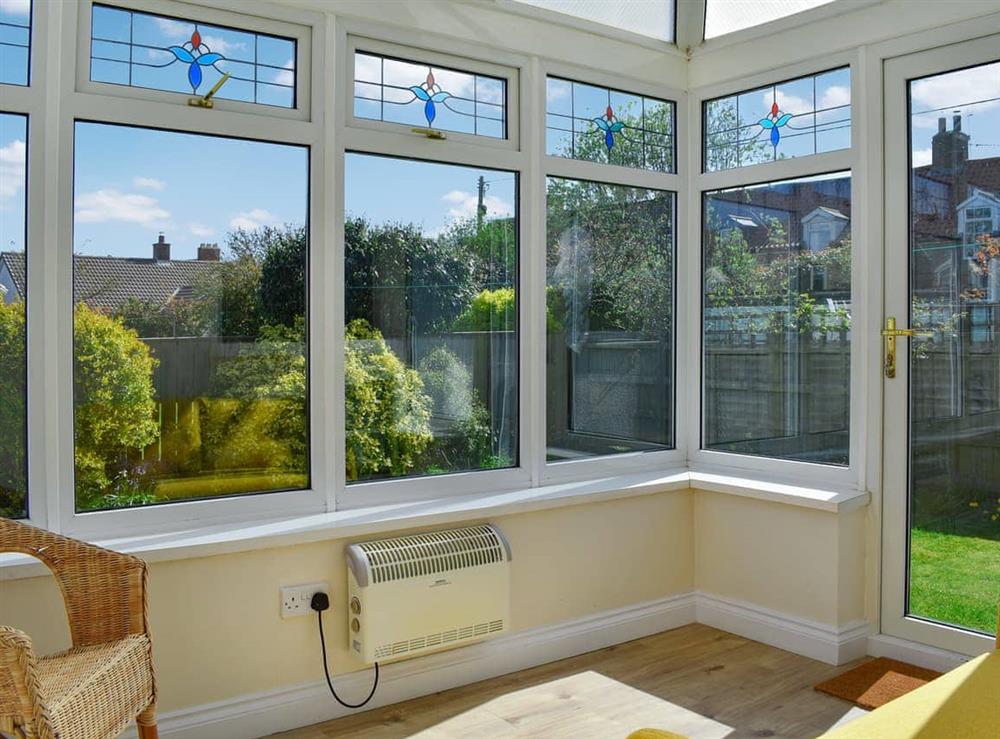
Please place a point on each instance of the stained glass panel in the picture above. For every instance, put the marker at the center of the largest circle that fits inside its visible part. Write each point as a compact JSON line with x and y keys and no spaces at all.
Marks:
{"x":599,"y":124}
{"x":15,"y":41}
{"x":429,"y":96}
{"x":799,"y":117}
{"x":160,"y":53}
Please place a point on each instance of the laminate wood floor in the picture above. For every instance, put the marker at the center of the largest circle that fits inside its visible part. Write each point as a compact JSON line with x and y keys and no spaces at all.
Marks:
{"x":696,"y":681}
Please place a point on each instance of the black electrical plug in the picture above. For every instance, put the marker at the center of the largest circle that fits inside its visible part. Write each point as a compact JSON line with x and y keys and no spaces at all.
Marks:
{"x":320,"y":601}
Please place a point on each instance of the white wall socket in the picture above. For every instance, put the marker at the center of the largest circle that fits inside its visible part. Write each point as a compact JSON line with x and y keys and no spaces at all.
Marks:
{"x":296,"y":599}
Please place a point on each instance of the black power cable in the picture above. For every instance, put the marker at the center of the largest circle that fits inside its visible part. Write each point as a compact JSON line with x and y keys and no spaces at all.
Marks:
{"x":319,"y":603}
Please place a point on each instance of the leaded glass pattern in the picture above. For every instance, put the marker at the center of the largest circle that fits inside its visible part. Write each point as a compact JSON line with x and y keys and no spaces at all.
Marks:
{"x":601,"y":124}
{"x":15,"y":41}
{"x":426,"y":95}
{"x":799,"y":117}
{"x":179,"y":55}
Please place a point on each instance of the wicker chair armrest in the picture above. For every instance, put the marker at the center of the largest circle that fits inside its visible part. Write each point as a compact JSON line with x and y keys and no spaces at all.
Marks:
{"x":104,"y":591}
{"x":20,"y":691}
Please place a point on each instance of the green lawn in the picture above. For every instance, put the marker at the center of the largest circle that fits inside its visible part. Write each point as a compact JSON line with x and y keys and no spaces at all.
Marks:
{"x":955,"y":578}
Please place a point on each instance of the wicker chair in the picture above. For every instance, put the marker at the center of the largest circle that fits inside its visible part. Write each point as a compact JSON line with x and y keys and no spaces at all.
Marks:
{"x":105,"y":681}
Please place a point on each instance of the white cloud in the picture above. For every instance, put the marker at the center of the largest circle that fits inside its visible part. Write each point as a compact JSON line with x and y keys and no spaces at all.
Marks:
{"x":921,"y":157}
{"x":12,"y":159}
{"x":220,"y":45}
{"x":959,"y":89}
{"x":252,"y":219}
{"x":834,"y":96}
{"x":149,"y":183}
{"x":180,"y":31}
{"x":111,"y":205}
{"x":464,"y":204}
{"x":286,"y":76}
{"x":16,"y":7}
{"x":201,"y":230}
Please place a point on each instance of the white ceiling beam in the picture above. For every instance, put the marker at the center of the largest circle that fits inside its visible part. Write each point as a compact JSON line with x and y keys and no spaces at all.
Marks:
{"x":690,"y":25}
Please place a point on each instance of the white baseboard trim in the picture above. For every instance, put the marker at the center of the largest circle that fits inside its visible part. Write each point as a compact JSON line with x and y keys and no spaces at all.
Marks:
{"x":830,"y":644}
{"x":260,"y":714}
{"x":932,"y":658}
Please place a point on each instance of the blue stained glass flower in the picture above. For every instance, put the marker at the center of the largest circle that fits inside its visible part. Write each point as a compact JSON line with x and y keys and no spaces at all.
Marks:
{"x":197,"y":56}
{"x":775,"y":121}
{"x":609,"y":126}
{"x":430,"y":92}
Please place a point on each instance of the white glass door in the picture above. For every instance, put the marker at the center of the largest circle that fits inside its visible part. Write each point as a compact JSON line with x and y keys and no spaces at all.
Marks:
{"x":941,"y":511}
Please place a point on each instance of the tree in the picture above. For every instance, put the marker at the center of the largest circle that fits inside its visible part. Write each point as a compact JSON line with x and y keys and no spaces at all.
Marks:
{"x":229,"y":295}
{"x":114,"y":407}
{"x":13,"y":395}
{"x":151,"y":319}
{"x":282,"y":254}
{"x":388,"y":414}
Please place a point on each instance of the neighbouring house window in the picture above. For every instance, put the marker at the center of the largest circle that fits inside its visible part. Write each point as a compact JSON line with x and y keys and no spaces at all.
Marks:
{"x":13,"y":321}
{"x":598,"y":124}
{"x":609,"y":319}
{"x":431,"y":307}
{"x":189,"y":324}
{"x":978,"y":222}
{"x":800,"y":117}
{"x":156,"y":52}
{"x":777,"y":319}
{"x":413,"y":93}
{"x":15,"y":41}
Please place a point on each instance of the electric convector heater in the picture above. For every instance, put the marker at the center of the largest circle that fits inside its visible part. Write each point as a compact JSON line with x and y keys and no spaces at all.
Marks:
{"x":422,"y":593}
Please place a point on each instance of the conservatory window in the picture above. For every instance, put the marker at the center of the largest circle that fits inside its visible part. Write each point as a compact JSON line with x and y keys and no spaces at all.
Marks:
{"x":609,"y":319}
{"x":599,"y":124}
{"x":429,"y":96}
{"x":190,"y":373}
{"x":652,"y":18}
{"x":431,"y":311}
{"x":728,"y":16}
{"x":13,"y":321}
{"x":136,"y":49}
{"x":799,"y":117}
{"x":15,"y":41}
{"x":777,"y":319}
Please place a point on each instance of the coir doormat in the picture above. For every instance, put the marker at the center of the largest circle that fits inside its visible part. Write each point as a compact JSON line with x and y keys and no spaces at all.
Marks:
{"x":877,"y":682}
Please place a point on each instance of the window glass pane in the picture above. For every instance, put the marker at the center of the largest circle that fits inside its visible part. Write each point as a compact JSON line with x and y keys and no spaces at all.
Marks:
{"x":598,"y":124}
{"x":424,"y":95}
{"x":189,"y":324}
{"x":431,"y":311}
{"x":609,"y":319}
{"x":727,"y":16}
{"x":799,"y":117}
{"x":13,"y":336}
{"x":653,"y":18}
{"x":15,"y":41}
{"x":777,"y":319}
{"x":159,"y":53}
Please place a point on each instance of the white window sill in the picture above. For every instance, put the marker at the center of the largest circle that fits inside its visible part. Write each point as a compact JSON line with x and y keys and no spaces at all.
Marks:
{"x":363,"y":522}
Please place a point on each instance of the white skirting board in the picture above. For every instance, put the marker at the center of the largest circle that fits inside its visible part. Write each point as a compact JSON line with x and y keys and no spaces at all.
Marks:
{"x":260,"y":714}
{"x":931,"y":658}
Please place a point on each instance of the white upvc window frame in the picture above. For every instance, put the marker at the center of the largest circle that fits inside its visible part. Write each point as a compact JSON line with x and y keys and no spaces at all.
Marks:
{"x":850,"y":160}
{"x":34,"y":101}
{"x":363,"y":136}
{"x":51,"y":431}
{"x":674,"y":182}
{"x":289,"y":26}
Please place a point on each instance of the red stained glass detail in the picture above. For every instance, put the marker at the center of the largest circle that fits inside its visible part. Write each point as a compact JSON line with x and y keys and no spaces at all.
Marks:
{"x":609,"y":114}
{"x":774,"y":109}
{"x":196,"y":39}
{"x":430,"y":80}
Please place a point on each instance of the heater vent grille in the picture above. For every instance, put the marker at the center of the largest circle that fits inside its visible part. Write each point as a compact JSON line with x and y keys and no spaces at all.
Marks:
{"x":434,"y":552}
{"x":464,"y":633}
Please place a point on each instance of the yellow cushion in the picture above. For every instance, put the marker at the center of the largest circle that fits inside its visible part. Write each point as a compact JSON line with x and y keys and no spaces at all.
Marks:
{"x":961,"y":704}
{"x":654,"y":734}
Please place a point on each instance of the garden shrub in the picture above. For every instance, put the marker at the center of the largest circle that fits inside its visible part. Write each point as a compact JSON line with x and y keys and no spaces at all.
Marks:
{"x":490,"y":310}
{"x":13,"y":385}
{"x":387,"y":412}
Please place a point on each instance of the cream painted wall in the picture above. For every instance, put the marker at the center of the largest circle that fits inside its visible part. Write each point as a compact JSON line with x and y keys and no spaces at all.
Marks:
{"x":217,"y":633}
{"x":797,"y":561}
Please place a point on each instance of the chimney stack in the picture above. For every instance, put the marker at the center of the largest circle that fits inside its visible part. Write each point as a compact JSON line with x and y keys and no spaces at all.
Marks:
{"x":209,"y":253}
{"x":942,"y":124}
{"x":161,"y":250}
{"x":957,"y":121}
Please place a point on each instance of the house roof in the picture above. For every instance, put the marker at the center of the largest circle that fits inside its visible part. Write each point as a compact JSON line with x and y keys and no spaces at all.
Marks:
{"x":823,"y":210}
{"x":107,"y":282}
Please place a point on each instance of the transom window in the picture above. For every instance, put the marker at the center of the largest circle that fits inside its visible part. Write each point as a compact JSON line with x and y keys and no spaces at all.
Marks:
{"x":427,"y":95}
{"x":800,"y":117}
{"x":15,"y":41}
{"x":157,"y":52}
{"x":599,"y":124}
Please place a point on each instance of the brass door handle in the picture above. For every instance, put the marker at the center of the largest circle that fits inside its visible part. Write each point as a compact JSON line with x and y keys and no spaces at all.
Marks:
{"x":891,"y":333}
